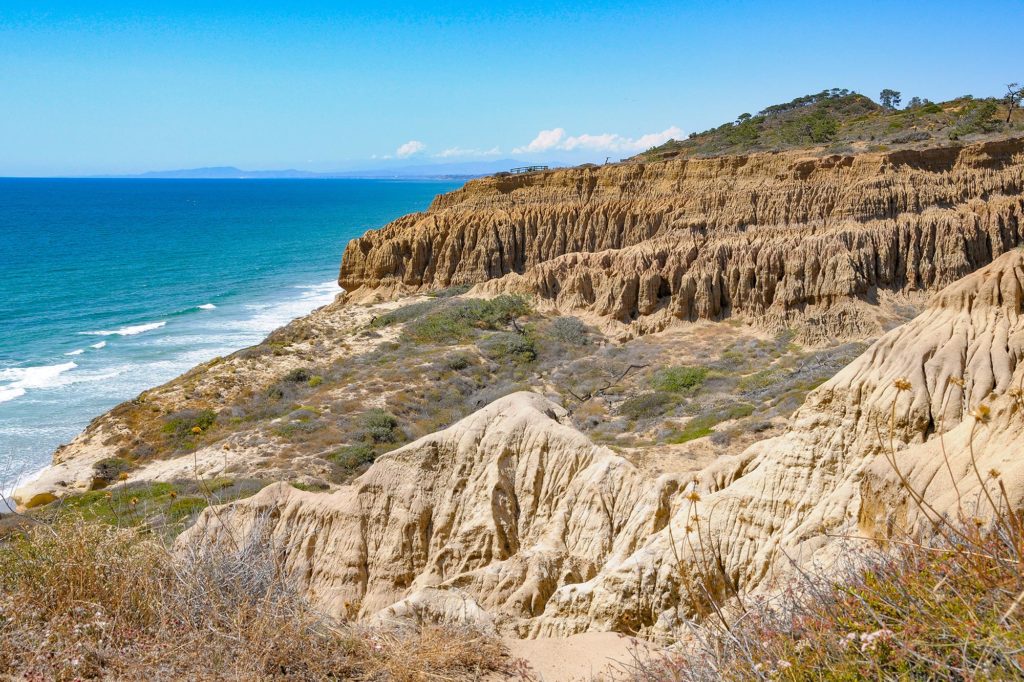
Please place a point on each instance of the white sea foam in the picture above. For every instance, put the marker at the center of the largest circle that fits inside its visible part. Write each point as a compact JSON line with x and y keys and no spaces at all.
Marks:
{"x":269,"y":316}
{"x":43,"y":376}
{"x":207,"y":306}
{"x":14,"y":480}
{"x":128,"y":331}
{"x":99,"y":345}
{"x":76,"y":352}
{"x":21,"y":378}
{"x":9,"y":393}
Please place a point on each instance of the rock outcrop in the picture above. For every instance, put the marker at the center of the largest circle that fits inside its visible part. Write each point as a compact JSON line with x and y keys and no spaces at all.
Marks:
{"x":781,"y":239}
{"x":486,"y":518}
{"x":901,"y":412}
{"x":512,"y":518}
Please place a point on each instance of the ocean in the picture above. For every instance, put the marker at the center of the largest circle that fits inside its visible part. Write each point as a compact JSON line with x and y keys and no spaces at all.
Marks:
{"x":112,"y":286}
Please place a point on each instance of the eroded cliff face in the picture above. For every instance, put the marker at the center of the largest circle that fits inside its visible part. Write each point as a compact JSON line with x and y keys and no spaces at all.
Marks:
{"x":501,"y":509}
{"x":512,"y":519}
{"x":781,"y":239}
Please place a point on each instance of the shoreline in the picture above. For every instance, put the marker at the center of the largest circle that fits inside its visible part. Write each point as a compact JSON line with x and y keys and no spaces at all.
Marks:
{"x":316,"y":295}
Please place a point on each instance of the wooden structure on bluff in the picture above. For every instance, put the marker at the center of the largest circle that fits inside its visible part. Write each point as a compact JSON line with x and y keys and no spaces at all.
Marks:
{"x":527,"y":169}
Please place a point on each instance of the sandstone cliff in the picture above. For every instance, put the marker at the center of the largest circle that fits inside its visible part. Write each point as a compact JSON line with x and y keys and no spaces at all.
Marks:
{"x":781,"y":239}
{"x":513,"y":519}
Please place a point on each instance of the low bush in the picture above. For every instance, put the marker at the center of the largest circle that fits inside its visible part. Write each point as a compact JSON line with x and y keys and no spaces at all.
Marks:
{"x":298,"y":428}
{"x":698,"y":427}
{"x":758,"y":381}
{"x":455,"y":321}
{"x":449,"y":292}
{"x":182,"y":428}
{"x":647,"y":405}
{"x":457,"y":362}
{"x":110,"y":468}
{"x":309,"y":487}
{"x":159,"y":506}
{"x":298,"y":375}
{"x":352,"y":460}
{"x":979,"y":116}
{"x":380,"y":426}
{"x":570,"y":330}
{"x":440,"y":328}
{"x":678,"y":379}
{"x":509,"y":346}
{"x":404,"y":314}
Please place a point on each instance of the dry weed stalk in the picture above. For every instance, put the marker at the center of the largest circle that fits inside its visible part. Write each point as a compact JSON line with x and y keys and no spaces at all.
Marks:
{"x":948,"y":607}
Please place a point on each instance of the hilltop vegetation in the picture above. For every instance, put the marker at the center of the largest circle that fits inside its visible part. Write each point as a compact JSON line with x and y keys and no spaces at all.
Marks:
{"x":840,"y":120}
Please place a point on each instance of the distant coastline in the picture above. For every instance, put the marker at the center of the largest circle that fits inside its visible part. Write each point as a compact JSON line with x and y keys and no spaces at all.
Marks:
{"x":444,"y":171}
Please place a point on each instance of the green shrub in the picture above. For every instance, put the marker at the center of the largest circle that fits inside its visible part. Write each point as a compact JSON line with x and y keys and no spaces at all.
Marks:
{"x":352,"y":460}
{"x":298,"y":375}
{"x":457,"y":362}
{"x":298,"y":428}
{"x":647,"y":405}
{"x":309,"y":487}
{"x":109,"y":468}
{"x":758,"y":381}
{"x":438,"y":328}
{"x":380,"y":426}
{"x":977,"y":117}
{"x":698,"y":427}
{"x":182,"y":427}
{"x":352,"y":456}
{"x":449,"y":292}
{"x":570,"y":330}
{"x":315,"y":381}
{"x":455,"y":321}
{"x":509,"y":345}
{"x":404,"y":314}
{"x":679,"y":379}
{"x":185,"y":507}
{"x":739,"y":411}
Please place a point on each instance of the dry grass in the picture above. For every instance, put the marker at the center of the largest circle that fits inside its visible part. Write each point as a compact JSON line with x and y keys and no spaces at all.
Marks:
{"x":938,"y":612}
{"x":86,"y":600}
{"x":948,"y":608}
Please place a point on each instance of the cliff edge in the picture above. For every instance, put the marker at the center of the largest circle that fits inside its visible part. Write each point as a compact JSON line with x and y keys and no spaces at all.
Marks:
{"x":781,"y":239}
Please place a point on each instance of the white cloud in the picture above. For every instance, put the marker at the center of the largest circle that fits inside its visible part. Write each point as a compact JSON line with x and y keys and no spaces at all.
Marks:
{"x":460,"y":151}
{"x":605,"y":142}
{"x":409,"y":148}
{"x":546,"y":139}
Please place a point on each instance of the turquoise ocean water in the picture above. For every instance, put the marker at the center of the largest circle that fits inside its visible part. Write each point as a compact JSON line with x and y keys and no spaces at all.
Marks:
{"x":108,"y":287}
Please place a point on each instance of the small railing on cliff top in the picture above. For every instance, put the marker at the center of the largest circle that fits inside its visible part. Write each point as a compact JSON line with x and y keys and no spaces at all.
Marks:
{"x":527,"y":169}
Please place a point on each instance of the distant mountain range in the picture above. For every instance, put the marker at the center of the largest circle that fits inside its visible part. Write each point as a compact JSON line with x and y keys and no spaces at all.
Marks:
{"x":469,"y":169}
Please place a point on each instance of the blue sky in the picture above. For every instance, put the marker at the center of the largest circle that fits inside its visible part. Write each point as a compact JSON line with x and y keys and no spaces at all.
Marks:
{"x":108,"y":87}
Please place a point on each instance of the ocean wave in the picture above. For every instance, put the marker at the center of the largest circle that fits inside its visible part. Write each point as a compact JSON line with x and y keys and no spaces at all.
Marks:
{"x":22,"y":378}
{"x":14,"y":480}
{"x":128,"y":331}
{"x":206,"y":306}
{"x":76,"y":352}
{"x":321,"y":290}
{"x":8,"y":393}
{"x":99,"y":345}
{"x":266,"y":317}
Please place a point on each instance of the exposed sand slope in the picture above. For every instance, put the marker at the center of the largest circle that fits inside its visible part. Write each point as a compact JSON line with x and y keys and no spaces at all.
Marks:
{"x":512,"y":519}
